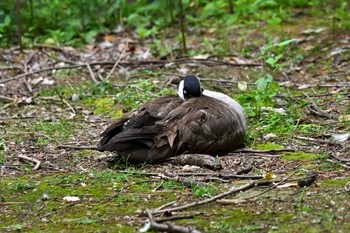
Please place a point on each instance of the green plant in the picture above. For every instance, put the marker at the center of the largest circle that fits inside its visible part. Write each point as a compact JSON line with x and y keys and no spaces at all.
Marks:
{"x":204,"y":191}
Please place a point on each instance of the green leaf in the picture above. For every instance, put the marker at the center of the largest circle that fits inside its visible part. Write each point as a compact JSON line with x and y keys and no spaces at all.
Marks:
{"x":273,"y":60}
{"x":286,"y":42}
{"x":262,"y":83}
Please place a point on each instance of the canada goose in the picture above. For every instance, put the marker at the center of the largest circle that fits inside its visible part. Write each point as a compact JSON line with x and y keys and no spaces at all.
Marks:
{"x":195,"y":121}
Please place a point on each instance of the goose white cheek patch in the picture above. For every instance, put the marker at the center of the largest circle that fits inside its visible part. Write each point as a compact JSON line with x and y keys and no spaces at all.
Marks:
{"x":180,"y":90}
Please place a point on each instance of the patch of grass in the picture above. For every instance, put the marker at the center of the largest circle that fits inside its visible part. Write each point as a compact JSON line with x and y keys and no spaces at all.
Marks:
{"x":103,"y":105}
{"x":290,"y":156}
{"x":172,"y":185}
{"x":55,"y":131}
{"x":125,"y":198}
{"x":20,"y":185}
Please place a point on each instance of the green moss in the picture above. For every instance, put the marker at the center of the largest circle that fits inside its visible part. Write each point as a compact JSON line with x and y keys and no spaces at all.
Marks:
{"x":299,"y":156}
{"x":268,"y":146}
{"x":335,"y":183}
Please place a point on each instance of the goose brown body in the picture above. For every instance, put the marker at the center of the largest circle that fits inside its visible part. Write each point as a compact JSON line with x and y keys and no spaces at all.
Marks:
{"x":170,"y":126}
{"x":199,"y":125}
{"x":133,"y":135}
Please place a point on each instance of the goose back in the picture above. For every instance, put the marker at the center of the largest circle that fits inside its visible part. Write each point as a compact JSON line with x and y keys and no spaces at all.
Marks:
{"x":200,"y":125}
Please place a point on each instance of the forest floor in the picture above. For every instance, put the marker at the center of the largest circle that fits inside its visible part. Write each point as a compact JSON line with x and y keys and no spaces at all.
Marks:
{"x":56,"y":100}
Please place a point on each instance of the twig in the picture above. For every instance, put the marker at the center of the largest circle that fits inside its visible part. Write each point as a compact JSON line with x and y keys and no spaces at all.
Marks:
{"x":273,"y":186}
{"x":338,"y":162}
{"x":166,"y":205}
{"x":255,"y":154}
{"x":92,"y":75}
{"x":252,"y":177}
{"x":37,"y":162}
{"x":58,"y":211}
{"x":7,"y":99}
{"x":339,"y":159}
{"x":234,"y":201}
{"x":117,"y":62}
{"x":66,"y":103}
{"x":77,"y":147}
{"x":209,"y":200}
{"x":177,"y":217}
{"x":317,"y":140}
{"x":168,"y":227}
{"x":158,"y":186}
{"x":319,"y":112}
{"x":263,"y":151}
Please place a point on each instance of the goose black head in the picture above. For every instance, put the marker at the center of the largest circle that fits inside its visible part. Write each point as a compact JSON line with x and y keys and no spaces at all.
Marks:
{"x":189,"y":87}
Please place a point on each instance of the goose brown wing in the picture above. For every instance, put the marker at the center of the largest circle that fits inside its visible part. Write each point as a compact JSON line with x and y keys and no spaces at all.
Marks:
{"x":138,"y":126}
{"x":200,"y":125}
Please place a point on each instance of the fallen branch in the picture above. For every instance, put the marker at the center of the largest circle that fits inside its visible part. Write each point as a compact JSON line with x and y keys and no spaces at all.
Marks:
{"x":177,"y":217}
{"x":263,"y":151}
{"x":37,"y":162}
{"x":91,"y":73}
{"x":168,"y":227}
{"x":209,"y":200}
{"x":77,"y":147}
{"x":339,"y":159}
{"x":272,"y":187}
{"x":338,"y":162}
{"x":317,"y":140}
{"x":255,"y":154}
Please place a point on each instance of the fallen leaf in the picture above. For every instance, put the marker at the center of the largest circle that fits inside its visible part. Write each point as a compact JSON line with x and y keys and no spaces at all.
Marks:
{"x":269,"y":175}
{"x":313,"y":31}
{"x":242,"y":86}
{"x":36,"y":81}
{"x":71,"y":198}
{"x":269,"y":136}
{"x":286,"y":185}
{"x":201,"y":56}
{"x":340,"y":137}
{"x":47,"y":81}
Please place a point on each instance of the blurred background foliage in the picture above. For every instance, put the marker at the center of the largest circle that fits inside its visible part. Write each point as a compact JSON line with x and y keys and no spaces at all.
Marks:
{"x":77,"y":22}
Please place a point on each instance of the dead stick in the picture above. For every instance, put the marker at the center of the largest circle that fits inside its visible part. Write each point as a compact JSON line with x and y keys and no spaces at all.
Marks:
{"x":117,"y":62}
{"x":339,"y":159}
{"x":178,"y":217}
{"x":37,"y":162}
{"x":92,"y":75}
{"x":209,"y":200}
{"x":168,"y":227}
{"x":77,"y":147}
{"x":273,"y":186}
{"x":263,"y":151}
{"x":317,"y":140}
